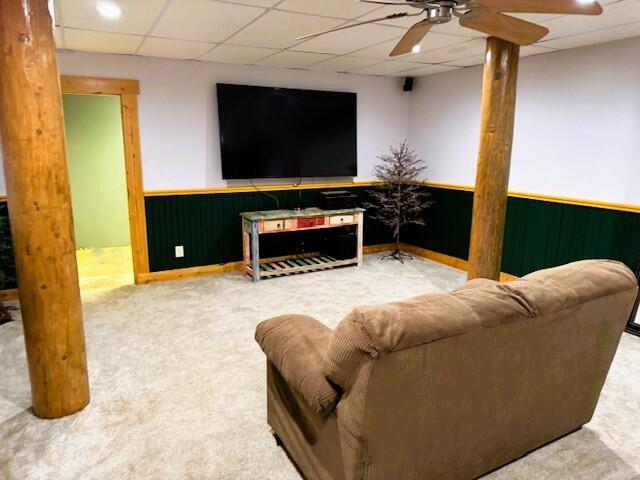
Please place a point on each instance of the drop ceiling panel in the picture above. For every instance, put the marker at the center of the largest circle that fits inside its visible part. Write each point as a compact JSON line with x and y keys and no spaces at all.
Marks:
{"x":292,"y":59}
{"x":591,"y":38}
{"x":330,"y":8}
{"x":431,"y":42}
{"x":168,"y":48}
{"x":453,"y":28}
{"x":478,"y":58}
{"x":138,"y":16}
{"x":390,"y":67}
{"x":344,"y":63}
{"x":204,"y":20}
{"x":615,"y":14}
{"x":265,"y":31}
{"x":88,"y":41}
{"x":351,"y":39}
{"x":429,"y":70}
{"x":58,"y":38}
{"x":279,"y":29}
{"x":258,"y":3}
{"x":236,"y":54}
{"x":447,"y":54}
{"x":405,"y":22}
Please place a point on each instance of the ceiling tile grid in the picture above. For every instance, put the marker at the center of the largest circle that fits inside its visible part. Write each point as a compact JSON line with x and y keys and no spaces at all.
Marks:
{"x":265,"y":32}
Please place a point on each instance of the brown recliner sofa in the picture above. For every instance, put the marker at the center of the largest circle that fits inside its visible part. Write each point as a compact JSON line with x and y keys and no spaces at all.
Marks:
{"x":446,"y":386}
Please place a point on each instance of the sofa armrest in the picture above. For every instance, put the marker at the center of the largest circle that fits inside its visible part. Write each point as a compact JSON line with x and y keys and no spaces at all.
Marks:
{"x":297,"y":345}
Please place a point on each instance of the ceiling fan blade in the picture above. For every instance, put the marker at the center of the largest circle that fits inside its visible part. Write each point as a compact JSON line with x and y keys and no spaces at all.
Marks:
{"x":411,"y":38}
{"x":351,"y":25}
{"x":569,"y":7}
{"x":502,"y":26}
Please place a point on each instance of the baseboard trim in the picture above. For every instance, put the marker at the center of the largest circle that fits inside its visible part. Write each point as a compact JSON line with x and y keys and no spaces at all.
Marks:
{"x":183,"y":273}
{"x":8,"y":295}
{"x":448,"y":260}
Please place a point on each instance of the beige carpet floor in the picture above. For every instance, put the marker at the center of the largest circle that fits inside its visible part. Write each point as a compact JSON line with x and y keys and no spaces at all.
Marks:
{"x":178,"y":384}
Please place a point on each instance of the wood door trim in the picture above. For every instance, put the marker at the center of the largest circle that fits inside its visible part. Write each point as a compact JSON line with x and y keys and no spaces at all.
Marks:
{"x":128,"y":91}
{"x":98,"y":85}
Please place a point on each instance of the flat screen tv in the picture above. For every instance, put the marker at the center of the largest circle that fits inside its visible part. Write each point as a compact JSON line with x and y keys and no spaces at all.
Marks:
{"x":285,"y":133}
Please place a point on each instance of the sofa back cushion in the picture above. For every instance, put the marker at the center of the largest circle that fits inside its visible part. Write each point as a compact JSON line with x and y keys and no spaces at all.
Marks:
{"x":369,"y":331}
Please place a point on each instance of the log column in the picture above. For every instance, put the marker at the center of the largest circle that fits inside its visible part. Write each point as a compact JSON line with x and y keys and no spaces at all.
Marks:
{"x":32,"y":130}
{"x":494,"y":159}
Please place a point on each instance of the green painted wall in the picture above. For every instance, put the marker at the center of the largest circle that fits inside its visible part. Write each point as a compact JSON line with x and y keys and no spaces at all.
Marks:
{"x":95,"y":153}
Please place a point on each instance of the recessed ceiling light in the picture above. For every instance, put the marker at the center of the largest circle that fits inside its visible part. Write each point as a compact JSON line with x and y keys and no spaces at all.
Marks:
{"x":109,"y":10}
{"x":416,"y":49}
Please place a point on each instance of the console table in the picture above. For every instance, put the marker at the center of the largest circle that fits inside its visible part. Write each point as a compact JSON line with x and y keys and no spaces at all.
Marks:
{"x":255,"y":224}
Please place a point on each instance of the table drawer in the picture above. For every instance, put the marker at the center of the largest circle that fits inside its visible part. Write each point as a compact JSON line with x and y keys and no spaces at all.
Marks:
{"x":310,"y":222}
{"x":340,"y":219}
{"x":272,"y":225}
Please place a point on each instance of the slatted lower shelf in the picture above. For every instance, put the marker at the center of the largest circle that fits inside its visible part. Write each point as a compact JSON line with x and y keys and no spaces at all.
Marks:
{"x":300,"y":265}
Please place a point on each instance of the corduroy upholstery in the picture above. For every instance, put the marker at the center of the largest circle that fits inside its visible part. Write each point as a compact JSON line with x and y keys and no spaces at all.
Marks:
{"x":451,"y":385}
{"x":297,"y":345}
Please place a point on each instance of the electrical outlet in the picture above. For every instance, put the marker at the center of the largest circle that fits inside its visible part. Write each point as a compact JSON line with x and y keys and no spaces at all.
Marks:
{"x":179,"y":251}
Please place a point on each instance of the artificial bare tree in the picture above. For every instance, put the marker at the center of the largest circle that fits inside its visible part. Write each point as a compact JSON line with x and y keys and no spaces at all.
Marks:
{"x":399,"y":198}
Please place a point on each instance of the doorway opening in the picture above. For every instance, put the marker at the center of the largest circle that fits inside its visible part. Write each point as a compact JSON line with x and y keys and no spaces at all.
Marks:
{"x":97,"y":176}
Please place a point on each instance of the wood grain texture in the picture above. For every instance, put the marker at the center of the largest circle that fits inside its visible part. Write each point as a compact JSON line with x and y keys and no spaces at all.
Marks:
{"x":8,"y":295}
{"x":135,"y":189}
{"x":39,"y":201}
{"x":566,"y":7}
{"x":99,"y":85}
{"x":494,"y":159}
{"x":506,"y":27}
{"x":411,"y":38}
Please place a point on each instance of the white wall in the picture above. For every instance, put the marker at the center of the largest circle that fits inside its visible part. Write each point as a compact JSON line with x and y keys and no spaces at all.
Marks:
{"x":179,"y":120}
{"x":577,"y":130}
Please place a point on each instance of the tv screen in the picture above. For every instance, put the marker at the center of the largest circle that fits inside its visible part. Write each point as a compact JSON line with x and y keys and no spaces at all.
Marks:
{"x":281,"y":132}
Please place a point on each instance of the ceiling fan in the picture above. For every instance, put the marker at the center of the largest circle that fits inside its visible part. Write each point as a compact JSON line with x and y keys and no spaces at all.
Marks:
{"x":487,"y":16}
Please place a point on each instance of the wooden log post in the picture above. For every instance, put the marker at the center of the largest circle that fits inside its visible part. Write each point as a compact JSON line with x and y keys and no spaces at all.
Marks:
{"x":494,"y":159}
{"x":32,"y":132}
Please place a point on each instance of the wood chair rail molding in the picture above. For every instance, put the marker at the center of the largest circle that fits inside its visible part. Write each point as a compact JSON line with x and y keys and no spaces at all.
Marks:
{"x":128,"y":91}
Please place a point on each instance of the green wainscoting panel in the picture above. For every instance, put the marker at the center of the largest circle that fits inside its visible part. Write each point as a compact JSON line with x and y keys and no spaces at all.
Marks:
{"x":538,"y":234}
{"x":7,"y":265}
{"x":209,"y":228}
{"x":447,"y":226}
{"x":543,"y":234}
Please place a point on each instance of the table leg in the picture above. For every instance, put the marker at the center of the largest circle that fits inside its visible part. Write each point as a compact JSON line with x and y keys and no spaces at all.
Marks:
{"x":246,"y":248}
{"x":255,"y":252}
{"x":360,"y":237}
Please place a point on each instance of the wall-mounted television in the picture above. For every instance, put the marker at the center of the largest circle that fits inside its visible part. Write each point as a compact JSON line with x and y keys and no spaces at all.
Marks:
{"x":270,"y":132}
